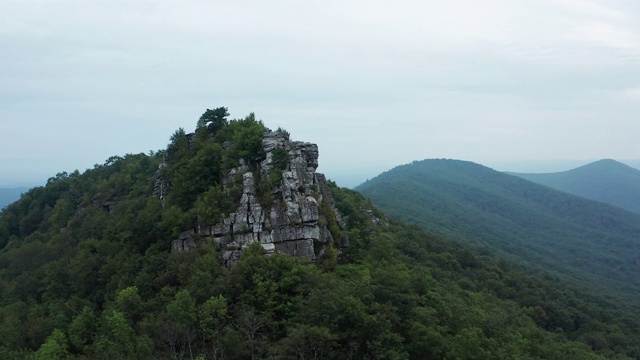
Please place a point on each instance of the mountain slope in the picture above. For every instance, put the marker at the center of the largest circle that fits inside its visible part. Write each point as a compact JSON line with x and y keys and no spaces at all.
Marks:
{"x":87,"y":271}
{"x":593,"y":243}
{"x":606,"y":180}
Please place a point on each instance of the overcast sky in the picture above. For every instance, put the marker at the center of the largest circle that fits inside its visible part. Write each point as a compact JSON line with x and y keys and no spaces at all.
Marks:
{"x":374,"y":83}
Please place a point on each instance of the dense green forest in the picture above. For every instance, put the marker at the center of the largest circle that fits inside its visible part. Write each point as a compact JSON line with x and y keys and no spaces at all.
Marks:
{"x":606,"y":180}
{"x":587,"y":246}
{"x":86,"y":272}
{"x":591,"y":242}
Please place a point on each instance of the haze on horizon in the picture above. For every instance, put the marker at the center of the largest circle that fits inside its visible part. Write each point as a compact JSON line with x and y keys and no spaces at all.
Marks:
{"x":375,"y":84}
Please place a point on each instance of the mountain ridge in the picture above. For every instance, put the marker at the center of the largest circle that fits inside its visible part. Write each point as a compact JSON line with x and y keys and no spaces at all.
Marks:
{"x":604,"y":180}
{"x":87,"y":270}
{"x":499,"y":210}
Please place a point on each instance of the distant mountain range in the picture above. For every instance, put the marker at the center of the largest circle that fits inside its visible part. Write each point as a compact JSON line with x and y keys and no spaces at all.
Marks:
{"x":593,"y":243}
{"x":9,"y":195}
{"x":605,"y":180}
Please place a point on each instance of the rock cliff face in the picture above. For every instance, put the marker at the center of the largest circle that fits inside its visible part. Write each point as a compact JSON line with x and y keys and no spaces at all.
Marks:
{"x":293,"y":216}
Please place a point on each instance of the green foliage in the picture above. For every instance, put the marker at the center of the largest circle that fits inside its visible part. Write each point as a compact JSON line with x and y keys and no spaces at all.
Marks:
{"x":213,"y":204}
{"x":307,"y":342}
{"x":116,"y":337}
{"x":173,"y":221}
{"x":212,"y":316}
{"x":286,"y":134}
{"x":329,"y":260}
{"x":86,"y":272}
{"x":54,"y":348}
{"x":245,"y":136}
{"x":565,"y":239}
{"x":178,"y":148}
{"x":214,"y":120}
{"x":280,"y":161}
{"x":182,"y":310}
{"x":327,"y":213}
{"x":198,"y":162}
{"x":82,"y":330}
{"x":280,"y":158}
{"x":128,"y":301}
{"x":195,"y":173}
{"x":265,"y":189}
{"x":588,"y":242}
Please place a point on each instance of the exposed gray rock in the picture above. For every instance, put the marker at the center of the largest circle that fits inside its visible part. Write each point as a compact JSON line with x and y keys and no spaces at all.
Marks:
{"x":160,"y":183}
{"x":309,"y":210}
{"x":186,"y":235}
{"x":374,"y":219}
{"x":100,"y":200}
{"x":230,"y":257}
{"x":176,"y":246}
{"x":269,"y":248}
{"x":183,"y":245}
{"x":293,"y":224}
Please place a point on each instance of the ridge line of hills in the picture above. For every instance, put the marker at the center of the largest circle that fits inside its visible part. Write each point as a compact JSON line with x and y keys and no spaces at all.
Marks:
{"x":87,"y":271}
{"x":605,"y":180}
{"x":457,"y":197}
{"x":589,"y":246}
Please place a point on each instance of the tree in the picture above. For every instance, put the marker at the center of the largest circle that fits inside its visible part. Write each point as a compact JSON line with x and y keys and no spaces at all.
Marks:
{"x":308,"y":342}
{"x":248,"y":139}
{"x":211,"y":205}
{"x":213,"y":120}
{"x":82,"y":329}
{"x":182,"y":316}
{"x":116,"y":338}
{"x":54,"y":348}
{"x":250,"y":324}
{"x":280,"y":158}
{"x":130,"y":303}
{"x":178,"y":148}
{"x":213,"y":315}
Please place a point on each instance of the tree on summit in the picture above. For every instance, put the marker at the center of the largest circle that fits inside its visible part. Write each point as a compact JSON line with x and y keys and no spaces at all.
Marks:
{"x":214,"y":120}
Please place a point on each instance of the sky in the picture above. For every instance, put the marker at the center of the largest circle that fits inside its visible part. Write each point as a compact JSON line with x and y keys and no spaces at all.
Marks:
{"x":517,"y":85}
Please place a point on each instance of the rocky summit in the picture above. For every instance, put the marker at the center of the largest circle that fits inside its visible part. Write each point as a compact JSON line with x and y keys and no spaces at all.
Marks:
{"x":294,"y":221}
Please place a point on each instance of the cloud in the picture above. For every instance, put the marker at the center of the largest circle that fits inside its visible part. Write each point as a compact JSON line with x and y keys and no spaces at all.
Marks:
{"x":400,"y":80}
{"x":631,"y":95}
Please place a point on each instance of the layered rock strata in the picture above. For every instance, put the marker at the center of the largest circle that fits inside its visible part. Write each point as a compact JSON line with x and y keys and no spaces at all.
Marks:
{"x":293,"y":224}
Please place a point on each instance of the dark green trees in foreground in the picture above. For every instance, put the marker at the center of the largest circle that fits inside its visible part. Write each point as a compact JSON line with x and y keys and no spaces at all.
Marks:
{"x":86,"y":273}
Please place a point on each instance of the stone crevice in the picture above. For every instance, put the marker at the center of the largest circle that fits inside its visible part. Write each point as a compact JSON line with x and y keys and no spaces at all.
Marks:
{"x":291,"y":226}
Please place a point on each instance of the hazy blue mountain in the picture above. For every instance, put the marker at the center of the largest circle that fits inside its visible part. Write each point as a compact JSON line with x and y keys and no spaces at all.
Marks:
{"x":633,"y":163}
{"x":604,"y":180}
{"x":591,"y":242}
{"x":9,"y":195}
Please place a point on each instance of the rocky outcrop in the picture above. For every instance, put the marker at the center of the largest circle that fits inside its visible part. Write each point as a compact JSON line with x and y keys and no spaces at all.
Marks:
{"x":160,"y":183}
{"x":292,"y":222}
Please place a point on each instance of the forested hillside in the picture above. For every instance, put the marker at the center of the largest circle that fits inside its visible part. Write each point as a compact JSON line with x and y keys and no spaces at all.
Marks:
{"x":591,"y":246}
{"x":607,"y":180}
{"x":586,"y":240}
{"x":87,"y":272}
